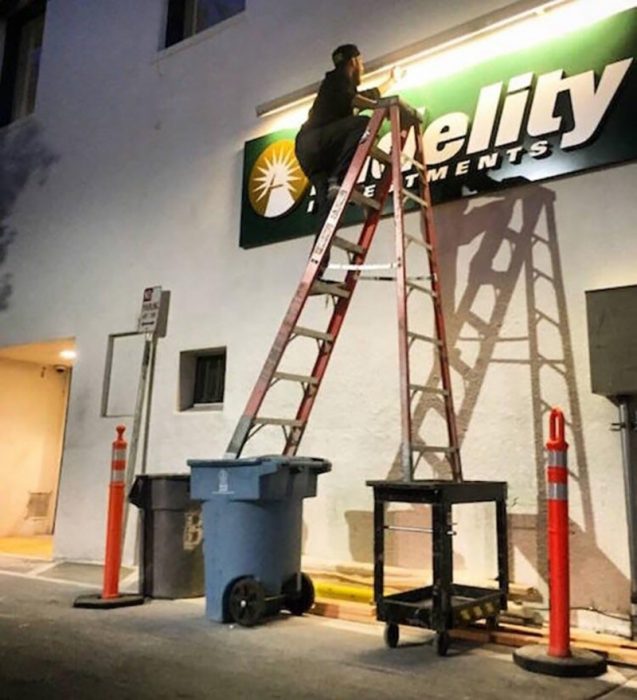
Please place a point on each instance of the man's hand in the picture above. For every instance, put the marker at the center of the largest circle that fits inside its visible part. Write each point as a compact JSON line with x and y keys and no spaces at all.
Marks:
{"x":360,"y":102}
{"x":397,"y":74}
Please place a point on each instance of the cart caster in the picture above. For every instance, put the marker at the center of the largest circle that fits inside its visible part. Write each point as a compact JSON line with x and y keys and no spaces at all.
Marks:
{"x":392,"y":635}
{"x":441,"y":643}
{"x":491,"y":623}
{"x":301,"y":602}
{"x":246,"y":602}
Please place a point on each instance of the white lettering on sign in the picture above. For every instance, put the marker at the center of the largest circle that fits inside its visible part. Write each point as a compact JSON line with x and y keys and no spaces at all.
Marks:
{"x":440,"y":173}
{"x":484,"y":119}
{"x":539,"y":149}
{"x":151,"y":305}
{"x":462,"y":167}
{"x":589,"y":104}
{"x":513,"y":110}
{"x":445,"y":137}
{"x":489,"y":161}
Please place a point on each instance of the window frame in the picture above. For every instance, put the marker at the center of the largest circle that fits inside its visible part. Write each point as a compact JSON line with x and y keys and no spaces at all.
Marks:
{"x":201,"y":378}
{"x":17,"y":15}
{"x":178,"y":12}
{"x":189,"y":361}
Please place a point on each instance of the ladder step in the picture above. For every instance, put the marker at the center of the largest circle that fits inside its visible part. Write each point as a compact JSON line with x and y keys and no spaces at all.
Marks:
{"x":420,"y":447}
{"x":420,"y":288}
{"x":428,"y":390}
{"x":286,"y":422}
{"x":348,"y":246}
{"x":333,"y":288}
{"x":380,"y":155}
{"x":301,"y":378}
{"x":359,"y":198}
{"x":413,"y":161}
{"x":414,"y":198}
{"x":311,"y":333}
{"x":417,"y":240}
{"x":426,"y":338}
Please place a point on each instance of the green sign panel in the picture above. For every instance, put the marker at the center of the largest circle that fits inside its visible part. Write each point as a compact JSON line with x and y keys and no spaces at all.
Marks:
{"x":559,"y":108}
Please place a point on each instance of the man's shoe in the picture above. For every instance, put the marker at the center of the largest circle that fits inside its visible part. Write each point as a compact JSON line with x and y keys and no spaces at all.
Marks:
{"x":332,"y":188}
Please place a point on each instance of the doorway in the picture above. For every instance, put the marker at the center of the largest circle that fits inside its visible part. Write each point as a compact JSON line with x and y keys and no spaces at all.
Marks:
{"x":35,"y":383}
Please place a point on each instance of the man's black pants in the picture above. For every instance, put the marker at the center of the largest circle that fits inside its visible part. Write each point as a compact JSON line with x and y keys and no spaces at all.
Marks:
{"x":326,"y":152}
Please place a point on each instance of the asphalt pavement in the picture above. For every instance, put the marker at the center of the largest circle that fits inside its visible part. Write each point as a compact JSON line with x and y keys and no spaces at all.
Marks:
{"x":168,"y":649}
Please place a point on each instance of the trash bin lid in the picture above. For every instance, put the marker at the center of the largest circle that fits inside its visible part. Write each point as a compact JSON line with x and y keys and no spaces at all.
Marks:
{"x":318,"y":465}
{"x":161,"y":492}
{"x":266,"y":478}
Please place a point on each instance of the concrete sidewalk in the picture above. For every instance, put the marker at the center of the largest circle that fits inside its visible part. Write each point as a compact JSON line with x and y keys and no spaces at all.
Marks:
{"x":167,"y":649}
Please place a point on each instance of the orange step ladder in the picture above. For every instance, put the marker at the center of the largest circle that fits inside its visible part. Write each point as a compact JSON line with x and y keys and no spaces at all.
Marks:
{"x":405,"y":126}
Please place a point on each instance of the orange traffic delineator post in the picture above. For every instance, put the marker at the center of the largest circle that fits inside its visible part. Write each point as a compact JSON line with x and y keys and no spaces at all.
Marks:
{"x":110,"y":597}
{"x":558,"y":659}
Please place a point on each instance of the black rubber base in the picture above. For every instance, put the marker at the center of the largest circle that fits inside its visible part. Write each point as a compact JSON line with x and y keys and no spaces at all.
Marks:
{"x":96,"y":601}
{"x":581,"y":663}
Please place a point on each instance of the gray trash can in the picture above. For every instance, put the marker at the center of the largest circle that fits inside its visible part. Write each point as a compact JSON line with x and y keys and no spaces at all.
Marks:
{"x":252,"y":514}
{"x":171,"y":562}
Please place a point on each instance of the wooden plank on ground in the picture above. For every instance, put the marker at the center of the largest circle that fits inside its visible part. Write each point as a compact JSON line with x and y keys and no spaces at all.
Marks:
{"x":616,"y":649}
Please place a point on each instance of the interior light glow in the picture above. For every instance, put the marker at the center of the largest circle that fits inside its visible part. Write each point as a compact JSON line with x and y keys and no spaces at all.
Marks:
{"x":68,"y":354}
{"x":544,"y":23}
{"x":551,"y":24}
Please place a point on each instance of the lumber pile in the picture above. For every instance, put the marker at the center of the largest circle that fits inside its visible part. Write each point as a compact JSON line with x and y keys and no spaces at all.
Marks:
{"x":346,"y":593}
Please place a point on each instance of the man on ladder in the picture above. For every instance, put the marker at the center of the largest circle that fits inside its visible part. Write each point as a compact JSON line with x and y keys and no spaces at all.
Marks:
{"x":327,"y":141}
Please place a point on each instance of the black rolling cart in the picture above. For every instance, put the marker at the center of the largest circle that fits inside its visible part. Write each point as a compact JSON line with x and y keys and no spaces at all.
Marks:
{"x":445,"y":604}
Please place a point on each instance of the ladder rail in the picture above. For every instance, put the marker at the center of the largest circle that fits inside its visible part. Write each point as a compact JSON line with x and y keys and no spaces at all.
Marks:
{"x":430,"y":238}
{"x":242,"y":431}
{"x":338,"y":317}
{"x":399,"y":135}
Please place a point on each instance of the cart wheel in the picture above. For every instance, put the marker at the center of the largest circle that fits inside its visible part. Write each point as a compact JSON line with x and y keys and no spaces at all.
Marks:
{"x":392,"y":635}
{"x":441,"y":643}
{"x":492,"y":623}
{"x":301,"y":602}
{"x":246,"y":601}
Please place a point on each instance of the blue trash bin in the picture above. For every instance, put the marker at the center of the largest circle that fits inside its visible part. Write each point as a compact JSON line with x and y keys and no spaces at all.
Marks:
{"x":252,"y":517}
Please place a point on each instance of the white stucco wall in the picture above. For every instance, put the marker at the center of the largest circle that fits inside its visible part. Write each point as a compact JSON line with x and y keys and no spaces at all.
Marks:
{"x":132,"y":178}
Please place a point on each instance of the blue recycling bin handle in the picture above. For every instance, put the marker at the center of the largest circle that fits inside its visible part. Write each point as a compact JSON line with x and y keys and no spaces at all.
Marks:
{"x":267,"y":478}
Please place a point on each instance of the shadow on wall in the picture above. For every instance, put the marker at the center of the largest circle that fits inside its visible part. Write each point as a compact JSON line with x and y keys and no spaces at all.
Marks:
{"x":22,"y":154}
{"x":514,"y":239}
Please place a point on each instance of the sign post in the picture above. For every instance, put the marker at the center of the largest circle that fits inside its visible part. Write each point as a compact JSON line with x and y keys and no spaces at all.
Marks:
{"x":152,"y":323}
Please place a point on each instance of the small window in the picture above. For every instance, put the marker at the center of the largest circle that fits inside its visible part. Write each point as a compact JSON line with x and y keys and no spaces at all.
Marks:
{"x":189,"y":17}
{"x":21,"y":61}
{"x":202,"y":378}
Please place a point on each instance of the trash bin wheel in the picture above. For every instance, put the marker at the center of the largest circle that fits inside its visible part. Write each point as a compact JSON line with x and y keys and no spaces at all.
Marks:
{"x":392,"y":635}
{"x":301,"y":602}
{"x":246,"y":601}
{"x":441,"y":643}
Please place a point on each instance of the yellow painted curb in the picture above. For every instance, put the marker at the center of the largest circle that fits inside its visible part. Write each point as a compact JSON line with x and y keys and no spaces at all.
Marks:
{"x":341,"y":591}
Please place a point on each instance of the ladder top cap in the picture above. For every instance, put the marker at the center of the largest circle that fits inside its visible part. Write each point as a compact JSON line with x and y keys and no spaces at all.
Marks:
{"x":394,"y":100}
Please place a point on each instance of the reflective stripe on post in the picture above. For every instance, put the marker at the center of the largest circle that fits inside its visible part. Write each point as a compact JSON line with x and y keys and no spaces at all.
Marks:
{"x":557,"y":497}
{"x":113,"y":557}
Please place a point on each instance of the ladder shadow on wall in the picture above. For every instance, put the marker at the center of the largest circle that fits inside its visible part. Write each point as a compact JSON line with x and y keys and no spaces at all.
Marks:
{"x":509,"y":245}
{"x":23,"y":153}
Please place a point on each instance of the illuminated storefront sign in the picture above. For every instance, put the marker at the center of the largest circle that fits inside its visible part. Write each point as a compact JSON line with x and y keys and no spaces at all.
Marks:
{"x":558,"y":108}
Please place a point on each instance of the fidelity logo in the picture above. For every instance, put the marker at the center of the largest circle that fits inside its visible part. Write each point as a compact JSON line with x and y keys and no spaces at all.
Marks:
{"x":276,"y":183}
